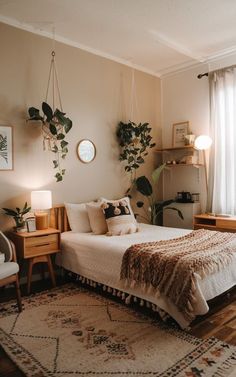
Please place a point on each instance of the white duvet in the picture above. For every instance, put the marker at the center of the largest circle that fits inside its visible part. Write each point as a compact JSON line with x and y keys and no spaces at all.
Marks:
{"x":99,"y":257}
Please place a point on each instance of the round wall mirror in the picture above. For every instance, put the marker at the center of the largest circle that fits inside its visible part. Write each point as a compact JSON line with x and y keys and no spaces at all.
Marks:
{"x":86,"y":151}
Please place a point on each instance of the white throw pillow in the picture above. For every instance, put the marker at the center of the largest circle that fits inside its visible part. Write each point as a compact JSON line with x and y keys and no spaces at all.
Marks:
{"x":96,"y":218}
{"x":78,"y":217}
{"x":119,"y":218}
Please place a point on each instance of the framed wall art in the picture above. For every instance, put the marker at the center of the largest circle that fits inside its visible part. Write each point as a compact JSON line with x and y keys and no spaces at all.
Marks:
{"x":31,"y":224}
{"x":6,"y":148}
{"x":180,"y":130}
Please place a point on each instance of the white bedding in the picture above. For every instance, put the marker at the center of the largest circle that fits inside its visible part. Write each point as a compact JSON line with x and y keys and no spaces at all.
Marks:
{"x":99,"y":258}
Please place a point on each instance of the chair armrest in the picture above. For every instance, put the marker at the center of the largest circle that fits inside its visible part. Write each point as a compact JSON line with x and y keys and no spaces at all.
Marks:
{"x":13,"y":249}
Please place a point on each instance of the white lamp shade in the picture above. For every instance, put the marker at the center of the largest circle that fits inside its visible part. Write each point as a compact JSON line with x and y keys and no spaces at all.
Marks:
{"x":203,"y":142}
{"x":41,"y":199}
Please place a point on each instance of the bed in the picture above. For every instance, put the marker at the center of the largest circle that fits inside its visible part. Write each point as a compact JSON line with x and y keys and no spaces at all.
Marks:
{"x":99,"y":258}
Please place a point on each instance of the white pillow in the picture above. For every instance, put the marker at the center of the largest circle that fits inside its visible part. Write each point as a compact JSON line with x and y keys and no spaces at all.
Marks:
{"x":96,"y":218}
{"x":78,"y":217}
{"x":118,"y":217}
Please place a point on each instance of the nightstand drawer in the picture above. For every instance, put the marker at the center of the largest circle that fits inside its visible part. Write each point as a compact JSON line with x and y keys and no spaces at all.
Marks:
{"x":41,"y":245}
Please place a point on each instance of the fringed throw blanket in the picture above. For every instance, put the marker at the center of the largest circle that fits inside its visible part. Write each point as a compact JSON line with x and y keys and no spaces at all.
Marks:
{"x":169,"y":266}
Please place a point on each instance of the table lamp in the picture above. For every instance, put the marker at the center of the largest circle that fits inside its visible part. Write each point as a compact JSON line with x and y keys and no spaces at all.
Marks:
{"x":40,"y":201}
{"x":202,"y":143}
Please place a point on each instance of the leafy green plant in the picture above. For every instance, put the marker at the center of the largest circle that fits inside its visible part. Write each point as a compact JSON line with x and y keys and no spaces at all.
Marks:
{"x":55,"y":128}
{"x":135,"y":141}
{"x":18,"y":214}
{"x":155,"y":208}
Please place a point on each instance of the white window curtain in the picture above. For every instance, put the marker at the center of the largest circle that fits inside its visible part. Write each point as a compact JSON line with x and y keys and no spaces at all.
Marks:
{"x":222,"y":163}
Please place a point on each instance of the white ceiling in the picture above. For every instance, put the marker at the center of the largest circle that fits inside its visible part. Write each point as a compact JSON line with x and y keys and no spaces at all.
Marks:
{"x":155,"y":36}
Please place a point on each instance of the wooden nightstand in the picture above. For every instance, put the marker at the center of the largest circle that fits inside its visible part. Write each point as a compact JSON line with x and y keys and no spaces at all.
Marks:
{"x":37,"y":247}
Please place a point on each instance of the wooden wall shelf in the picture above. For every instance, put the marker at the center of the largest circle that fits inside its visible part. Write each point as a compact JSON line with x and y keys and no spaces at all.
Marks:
{"x":175,"y":165}
{"x":185,"y":147}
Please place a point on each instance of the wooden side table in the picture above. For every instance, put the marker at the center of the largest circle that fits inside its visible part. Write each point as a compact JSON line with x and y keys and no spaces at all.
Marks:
{"x":37,"y":247}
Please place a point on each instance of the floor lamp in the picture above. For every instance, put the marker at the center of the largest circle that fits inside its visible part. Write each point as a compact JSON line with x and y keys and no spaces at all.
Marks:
{"x":202,"y":143}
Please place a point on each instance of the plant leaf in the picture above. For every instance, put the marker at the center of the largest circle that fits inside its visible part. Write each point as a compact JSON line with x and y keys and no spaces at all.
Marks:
{"x":60,"y":136}
{"x":10,"y":212}
{"x":34,"y":114}
{"x":144,"y":186}
{"x":68,"y":125}
{"x":47,"y":110}
{"x":53,"y":129}
{"x":58,"y":176}
{"x":64,"y":144}
{"x":176,"y":209}
{"x":157,"y":172}
{"x":55,"y":149}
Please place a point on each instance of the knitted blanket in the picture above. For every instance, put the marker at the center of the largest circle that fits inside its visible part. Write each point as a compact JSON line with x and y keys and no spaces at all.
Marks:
{"x":169,"y":266}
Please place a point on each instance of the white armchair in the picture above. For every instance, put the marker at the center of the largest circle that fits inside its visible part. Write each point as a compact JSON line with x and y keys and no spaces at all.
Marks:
{"x":9,"y":268}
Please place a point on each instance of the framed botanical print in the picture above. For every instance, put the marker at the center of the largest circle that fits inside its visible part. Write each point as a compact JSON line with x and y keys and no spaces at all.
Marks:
{"x":180,"y":130}
{"x":6,"y":148}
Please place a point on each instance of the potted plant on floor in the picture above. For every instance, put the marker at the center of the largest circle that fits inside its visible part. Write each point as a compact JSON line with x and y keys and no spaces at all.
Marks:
{"x":153,"y":214}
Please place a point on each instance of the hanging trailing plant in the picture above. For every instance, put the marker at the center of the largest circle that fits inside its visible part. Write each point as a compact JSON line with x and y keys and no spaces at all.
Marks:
{"x":135,"y":141}
{"x":55,"y":127}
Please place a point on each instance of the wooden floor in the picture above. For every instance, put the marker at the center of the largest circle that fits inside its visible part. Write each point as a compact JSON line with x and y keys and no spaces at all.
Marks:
{"x":220,"y":322}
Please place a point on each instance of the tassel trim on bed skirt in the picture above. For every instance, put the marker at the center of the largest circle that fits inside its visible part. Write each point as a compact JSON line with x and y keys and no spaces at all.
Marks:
{"x":126,"y":297}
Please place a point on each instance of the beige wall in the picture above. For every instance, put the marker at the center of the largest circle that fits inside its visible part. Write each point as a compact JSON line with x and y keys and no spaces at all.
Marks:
{"x":185,"y":97}
{"x":95,"y":94}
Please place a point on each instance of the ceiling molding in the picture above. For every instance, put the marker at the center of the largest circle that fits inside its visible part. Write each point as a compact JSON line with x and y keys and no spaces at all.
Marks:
{"x":176,"y":46}
{"x":193,"y":62}
{"x":58,"y":38}
{"x":178,"y":68}
{"x":221,"y":54}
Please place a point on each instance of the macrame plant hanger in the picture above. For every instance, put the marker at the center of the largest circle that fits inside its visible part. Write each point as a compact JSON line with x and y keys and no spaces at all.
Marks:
{"x":53,"y":81}
{"x":133,"y":97}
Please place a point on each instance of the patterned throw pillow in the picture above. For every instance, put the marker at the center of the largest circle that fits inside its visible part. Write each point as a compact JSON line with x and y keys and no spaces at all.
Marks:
{"x":118,"y":217}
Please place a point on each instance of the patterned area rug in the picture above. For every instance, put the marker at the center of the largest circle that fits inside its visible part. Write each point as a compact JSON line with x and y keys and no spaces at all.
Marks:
{"x":70,"y":331}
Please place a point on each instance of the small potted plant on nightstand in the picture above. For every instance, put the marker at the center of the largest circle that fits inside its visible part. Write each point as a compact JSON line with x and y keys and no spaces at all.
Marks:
{"x":18,"y":216}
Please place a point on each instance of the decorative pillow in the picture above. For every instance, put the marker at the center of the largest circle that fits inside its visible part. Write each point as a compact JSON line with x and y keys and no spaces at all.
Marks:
{"x":96,"y":218}
{"x":126,"y":198}
{"x":78,"y":217}
{"x":118,"y":217}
